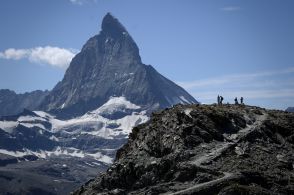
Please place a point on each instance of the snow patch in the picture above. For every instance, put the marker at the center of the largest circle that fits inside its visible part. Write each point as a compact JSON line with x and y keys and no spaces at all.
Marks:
{"x":59,"y":152}
{"x":31,"y":125}
{"x":43,"y":114}
{"x":188,"y":111}
{"x":30,"y":118}
{"x":53,"y":138}
{"x":62,"y":106}
{"x":8,"y":126}
{"x":115,"y":104}
{"x":184,"y":100}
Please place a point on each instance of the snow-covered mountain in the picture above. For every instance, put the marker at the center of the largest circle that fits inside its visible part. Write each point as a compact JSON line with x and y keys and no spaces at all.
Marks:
{"x":88,"y":141}
{"x":80,"y":136}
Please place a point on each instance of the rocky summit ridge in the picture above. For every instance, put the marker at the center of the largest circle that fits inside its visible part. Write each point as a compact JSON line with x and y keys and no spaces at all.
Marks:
{"x":12,"y":103}
{"x":204,"y":149}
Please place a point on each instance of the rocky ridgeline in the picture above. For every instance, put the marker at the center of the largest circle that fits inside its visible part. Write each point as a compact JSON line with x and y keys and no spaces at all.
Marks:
{"x":200,"y":149}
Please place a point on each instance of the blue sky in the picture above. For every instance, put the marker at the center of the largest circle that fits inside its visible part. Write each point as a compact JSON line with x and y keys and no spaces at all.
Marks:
{"x":210,"y":47}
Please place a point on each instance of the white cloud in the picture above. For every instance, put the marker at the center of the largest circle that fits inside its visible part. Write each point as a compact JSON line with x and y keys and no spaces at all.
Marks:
{"x":249,"y":94}
{"x":235,"y":78}
{"x":54,"y":56}
{"x":230,"y":8}
{"x":81,"y":2}
{"x":260,"y":88}
{"x":77,"y":2}
{"x":12,"y":53}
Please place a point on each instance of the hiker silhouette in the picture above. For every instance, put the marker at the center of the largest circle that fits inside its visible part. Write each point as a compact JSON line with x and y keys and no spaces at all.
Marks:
{"x":221,"y":100}
{"x":236,"y":101}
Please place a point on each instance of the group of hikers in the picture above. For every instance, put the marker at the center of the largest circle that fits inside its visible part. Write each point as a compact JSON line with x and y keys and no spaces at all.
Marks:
{"x":220,"y":100}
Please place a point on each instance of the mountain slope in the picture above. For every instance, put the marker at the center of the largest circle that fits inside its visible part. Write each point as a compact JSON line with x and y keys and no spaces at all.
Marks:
{"x":12,"y":103}
{"x":43,"y":135}
{"x":108,"y":65}
{"x":197,"y":149}
{"x":37,"y":146}
{"x":290,"y":109}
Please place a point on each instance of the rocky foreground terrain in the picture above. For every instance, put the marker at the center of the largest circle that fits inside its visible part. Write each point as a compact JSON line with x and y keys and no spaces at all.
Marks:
{"x":201,"y":149}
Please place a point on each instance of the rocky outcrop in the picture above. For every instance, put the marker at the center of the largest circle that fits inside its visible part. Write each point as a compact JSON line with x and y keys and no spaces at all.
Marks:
{"x":199,"y":149}
{"x":12,"y":103}
{"x":108,"y":65}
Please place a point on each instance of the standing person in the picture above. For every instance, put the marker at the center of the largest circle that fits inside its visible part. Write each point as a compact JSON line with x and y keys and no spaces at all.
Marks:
{"x":236,"y":101}
{"x":241,"y":100}
{"x":218,"y":99}
{"x":221,"y":100}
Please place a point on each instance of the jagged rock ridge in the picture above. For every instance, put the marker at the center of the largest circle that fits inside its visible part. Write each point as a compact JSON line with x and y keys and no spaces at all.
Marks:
{"x":12,"y":103}
{"x":108,"y":65}
{"x":197,"y":149}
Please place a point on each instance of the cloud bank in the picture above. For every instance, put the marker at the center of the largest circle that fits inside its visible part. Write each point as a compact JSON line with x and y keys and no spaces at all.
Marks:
{"x":54,"y":56}
{"x":267,"y":88}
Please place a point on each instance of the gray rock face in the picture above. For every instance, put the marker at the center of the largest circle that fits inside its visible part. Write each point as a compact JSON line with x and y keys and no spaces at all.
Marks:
{"x":12,"y":103}
{"x":290,"y":109}
{"x":55,"y":176}
{"x":108,"y":65}
{"x":198,"y":149}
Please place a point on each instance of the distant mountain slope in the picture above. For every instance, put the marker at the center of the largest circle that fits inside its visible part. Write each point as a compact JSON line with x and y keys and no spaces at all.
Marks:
{"x":290,"y":109}
{"x":12,"y":103}
{"x":68,"y":152}
{"x":108,"y":65}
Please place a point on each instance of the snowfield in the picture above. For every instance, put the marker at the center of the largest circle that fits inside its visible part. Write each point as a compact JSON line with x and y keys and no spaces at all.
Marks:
{"x":93,"y":124}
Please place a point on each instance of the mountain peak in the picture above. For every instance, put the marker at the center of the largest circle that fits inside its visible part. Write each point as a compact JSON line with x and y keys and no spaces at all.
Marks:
{"x":110,"y":65}
{"x":111,"y":25}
